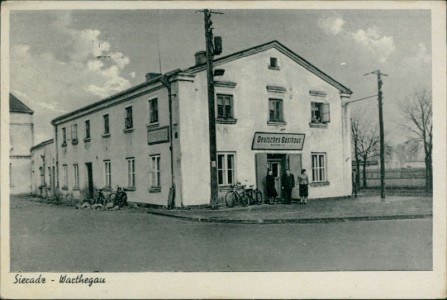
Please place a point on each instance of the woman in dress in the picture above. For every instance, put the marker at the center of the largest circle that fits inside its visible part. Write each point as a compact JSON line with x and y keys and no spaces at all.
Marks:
{"x":270,"y":185}
{"x":304,"y":182}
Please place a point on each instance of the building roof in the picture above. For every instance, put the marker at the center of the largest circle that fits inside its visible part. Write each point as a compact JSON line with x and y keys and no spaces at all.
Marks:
{"x":40,"y":145}
{"x":17,"y":106}
{"x":198,"y":68}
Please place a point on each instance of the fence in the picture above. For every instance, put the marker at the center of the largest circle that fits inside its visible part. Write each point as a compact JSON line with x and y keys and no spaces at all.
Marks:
{"x":409,"y":177}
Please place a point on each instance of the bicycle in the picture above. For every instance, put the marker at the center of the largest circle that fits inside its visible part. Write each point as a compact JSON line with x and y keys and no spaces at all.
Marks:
{"x":102,"y":201}
{"x":254,"y":195}
{"x":233,"y":197}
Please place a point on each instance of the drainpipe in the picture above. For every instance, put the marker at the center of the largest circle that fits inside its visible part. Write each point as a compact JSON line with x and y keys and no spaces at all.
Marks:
{"x":171,"y":199}
{"x":57,"y":156}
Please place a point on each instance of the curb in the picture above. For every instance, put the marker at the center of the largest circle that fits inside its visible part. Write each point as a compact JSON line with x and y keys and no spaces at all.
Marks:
{"x":292,"y":221}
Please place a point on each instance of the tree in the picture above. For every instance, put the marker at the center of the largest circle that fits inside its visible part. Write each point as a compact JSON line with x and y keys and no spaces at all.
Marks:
{"x":365,"y":142}
{"x":355,"y":137}
{"x":417,"y":117}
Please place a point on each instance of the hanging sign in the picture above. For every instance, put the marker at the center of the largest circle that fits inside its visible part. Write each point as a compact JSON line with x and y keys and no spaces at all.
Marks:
{"x":278,"y":141}
{"x":157,"y":136}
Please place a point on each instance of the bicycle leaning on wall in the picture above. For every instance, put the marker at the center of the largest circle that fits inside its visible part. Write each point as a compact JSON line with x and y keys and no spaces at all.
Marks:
{"x":233,"y":197}
{"x":253,"y":194}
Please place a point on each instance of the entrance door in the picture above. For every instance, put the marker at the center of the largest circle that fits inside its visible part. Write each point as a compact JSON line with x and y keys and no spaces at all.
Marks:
{"x":53,"y":181}
{"x":277,"y":164}
{"x":50,"y":183}
{"x":89,"y":179}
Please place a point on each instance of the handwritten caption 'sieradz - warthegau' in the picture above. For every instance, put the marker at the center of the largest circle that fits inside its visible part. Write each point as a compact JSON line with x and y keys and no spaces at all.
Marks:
{"x":63,"y":279}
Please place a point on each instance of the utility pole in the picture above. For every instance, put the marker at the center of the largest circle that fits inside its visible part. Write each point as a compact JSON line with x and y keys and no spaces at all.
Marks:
{"x":382,"y":134}
{"x":210,"y":51}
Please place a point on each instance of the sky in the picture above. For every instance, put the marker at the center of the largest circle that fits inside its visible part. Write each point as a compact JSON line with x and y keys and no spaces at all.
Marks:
{"x":61,"y":60}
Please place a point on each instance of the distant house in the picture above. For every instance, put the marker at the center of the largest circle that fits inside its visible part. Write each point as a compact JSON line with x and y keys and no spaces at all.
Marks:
{"x":43,"y":170}
{"x":21,"y":138}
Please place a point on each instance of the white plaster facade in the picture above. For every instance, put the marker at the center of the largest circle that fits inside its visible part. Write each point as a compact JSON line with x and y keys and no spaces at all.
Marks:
{"x":21,"y":139}
{"x":250,"y":82}
{"x":43,"y":169}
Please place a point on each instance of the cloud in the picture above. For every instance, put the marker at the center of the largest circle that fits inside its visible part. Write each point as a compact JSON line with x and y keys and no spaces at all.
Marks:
{"x":79,"y":70}
{"x":51,"y":107}
{"x":371,"y":39}
{"x":331,"y":25}
{"x":112,"y":82}
{"x":421,"y":54}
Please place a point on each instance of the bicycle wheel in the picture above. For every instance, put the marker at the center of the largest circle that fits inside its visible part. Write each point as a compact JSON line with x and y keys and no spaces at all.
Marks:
{"x":109,"y":201}
{"x":258,"y":197}
{"x":230,"y":198}
{"x":243,"y":199}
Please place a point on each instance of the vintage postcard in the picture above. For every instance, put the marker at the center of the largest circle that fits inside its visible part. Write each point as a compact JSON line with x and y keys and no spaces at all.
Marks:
{"x":243,"y":149}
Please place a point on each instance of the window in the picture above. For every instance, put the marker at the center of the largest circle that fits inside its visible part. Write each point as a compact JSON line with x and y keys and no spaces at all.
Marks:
{"x":76,"y":175}
{"x":153,"y":111}
{"x":320,"y":112}
{"x":106,"y":124}
{"x":319,"y":167}
{"x":275,"y":110}
{"x":107,"y":173}
{"x":274,"y":63}
{"x":155,"y":171}
{"x":65,"y":173}
{"x":64,"y":136}
{"x":224,"y":106}
{"x":128,"y":122}
{"x":131,"y":172}
{"x":87,"y":129}
{"x":74,"y":133}
{"x":225,"y":168}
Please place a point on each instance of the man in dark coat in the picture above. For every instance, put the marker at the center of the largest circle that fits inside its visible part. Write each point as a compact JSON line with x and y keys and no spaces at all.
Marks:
{"x":288,"y":183}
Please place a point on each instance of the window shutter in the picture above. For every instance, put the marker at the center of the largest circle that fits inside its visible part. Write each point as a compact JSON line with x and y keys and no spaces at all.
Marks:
{"x":295,"y":168}
{"x":325,"y":113}
{"x":261,"y":171}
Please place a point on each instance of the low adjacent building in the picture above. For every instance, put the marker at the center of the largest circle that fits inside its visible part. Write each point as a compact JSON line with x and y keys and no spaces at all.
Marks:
{"x":274,"y":110}
{"x":43,"y":169}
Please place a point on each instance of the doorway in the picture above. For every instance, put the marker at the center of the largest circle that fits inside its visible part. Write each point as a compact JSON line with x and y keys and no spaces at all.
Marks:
{"x":53,"y":181}
{"x":278,"y":163}
{"x":89,"y":179}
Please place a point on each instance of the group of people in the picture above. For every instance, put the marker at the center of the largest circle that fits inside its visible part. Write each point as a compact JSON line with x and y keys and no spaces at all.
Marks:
{"x":119,"y":200}
{"x":287,"y":185}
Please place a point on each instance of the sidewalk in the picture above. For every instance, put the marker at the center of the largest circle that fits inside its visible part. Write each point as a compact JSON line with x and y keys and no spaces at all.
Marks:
{"x":316,"y":211}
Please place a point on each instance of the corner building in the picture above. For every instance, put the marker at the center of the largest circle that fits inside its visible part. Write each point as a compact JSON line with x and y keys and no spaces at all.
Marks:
{"x":274,"y":110}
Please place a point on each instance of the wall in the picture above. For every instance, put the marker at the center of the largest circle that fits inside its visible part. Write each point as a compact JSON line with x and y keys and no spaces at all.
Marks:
{"x":21,"y":140}
{"x":43,"y":156}
{"x":118,"y":146}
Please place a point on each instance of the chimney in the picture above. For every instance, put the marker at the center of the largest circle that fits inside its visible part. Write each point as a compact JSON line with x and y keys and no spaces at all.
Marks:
{"x":200,"y":57}
{"x":150,"y":76}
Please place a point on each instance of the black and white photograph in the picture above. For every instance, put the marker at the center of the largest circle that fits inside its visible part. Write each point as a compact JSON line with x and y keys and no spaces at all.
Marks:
{"x":223,"y":150}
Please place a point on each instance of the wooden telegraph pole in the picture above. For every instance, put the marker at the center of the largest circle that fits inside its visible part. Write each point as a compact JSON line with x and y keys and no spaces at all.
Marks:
{"x":382,"y":134}
{"x":211,"y":50}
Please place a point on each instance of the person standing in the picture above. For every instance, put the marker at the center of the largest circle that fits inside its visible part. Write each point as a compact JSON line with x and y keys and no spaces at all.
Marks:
{"x":304,"y":183}
{"x":288,"y":183}
{"x":270,"y":187}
